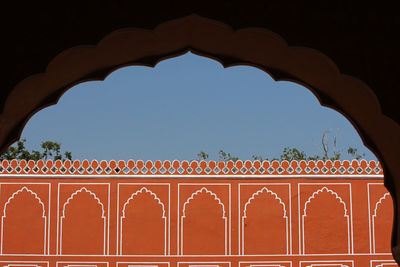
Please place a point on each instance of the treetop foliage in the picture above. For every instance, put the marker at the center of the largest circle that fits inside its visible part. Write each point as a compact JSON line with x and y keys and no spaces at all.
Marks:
{"x":50,"y":150}
{"x":328,"y":152}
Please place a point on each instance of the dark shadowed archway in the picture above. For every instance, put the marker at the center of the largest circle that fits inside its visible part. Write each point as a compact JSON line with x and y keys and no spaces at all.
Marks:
{"x":257,"y":47}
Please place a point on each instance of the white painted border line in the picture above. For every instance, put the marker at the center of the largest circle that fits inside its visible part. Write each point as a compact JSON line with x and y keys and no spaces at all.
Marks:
{"x":87,"y":263}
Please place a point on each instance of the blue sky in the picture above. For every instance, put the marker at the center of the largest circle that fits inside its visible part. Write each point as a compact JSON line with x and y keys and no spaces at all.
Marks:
{"x":186,"y":105}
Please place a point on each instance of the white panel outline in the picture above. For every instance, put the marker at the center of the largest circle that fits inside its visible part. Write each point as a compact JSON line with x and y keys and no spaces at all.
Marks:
{"x":345,"y":213}
{"x":106,"y":225}
{"x":328,"y":264}
{"x":47,"y":225}
{"x":374,"y":216}
{"x":179,"y":224}
{"x":288,"y":224}
{"x":43,"y":215}
{"x":349,"y":217}
{"x":178,"y":213}
{"x":383,"y":263}
{"x":80,"y":263}
{"x":371,"y":218}
{"x":140,"y":191}
{"x":322,"y":263}
{"x":141,"y":263}
{"x":25,"y":263}
{"x":203,"y":263}
{"x":118,"y":216}
{"x":102,"y":216}
{"x":265,"y":263}
{"x":201,"y":191}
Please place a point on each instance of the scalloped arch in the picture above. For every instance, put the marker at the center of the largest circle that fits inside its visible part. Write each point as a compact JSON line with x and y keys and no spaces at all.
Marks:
{"x":254,"y":46}
{"x":199,"y":192}
{"x":142,"y":191}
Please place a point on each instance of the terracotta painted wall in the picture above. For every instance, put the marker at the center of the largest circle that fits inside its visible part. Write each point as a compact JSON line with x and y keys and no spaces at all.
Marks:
{"x":193,"y":220}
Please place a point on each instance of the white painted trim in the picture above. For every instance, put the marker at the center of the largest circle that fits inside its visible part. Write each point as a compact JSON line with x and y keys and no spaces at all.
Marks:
{"x":265,"y":263}
{"x":204,"y":262}
{"x":383,"y":263}
{"x":79,"y":263}
{"x":322,"y":263}
{"x":328,"y":264}
{"x":25,"y":263}
{"x":142,"y":264}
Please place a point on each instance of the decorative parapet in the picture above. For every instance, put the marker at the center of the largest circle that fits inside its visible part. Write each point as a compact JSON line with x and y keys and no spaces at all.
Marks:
{"x":176,"y":167}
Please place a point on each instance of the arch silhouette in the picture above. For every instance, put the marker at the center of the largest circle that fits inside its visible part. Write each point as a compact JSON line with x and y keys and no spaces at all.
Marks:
{"x":258,"y":47}
{"x":83,"y":225}
{"x":208,"y":38}
{"x":24,"y":222}
{"x":265,"y":224}
{"x":382,"y":220}
{"x":143,"y":225}
{"x":325,"y":218}
{"x":204,"y":225}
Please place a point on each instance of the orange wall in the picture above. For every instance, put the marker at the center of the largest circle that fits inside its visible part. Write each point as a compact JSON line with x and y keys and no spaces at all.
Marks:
{"x":283,"y":220}
{"x":306,"y":214}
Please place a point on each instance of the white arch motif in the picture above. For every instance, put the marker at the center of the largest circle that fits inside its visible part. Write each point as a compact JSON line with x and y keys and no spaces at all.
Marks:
{"x":328,"y":264}
{"x":83,"y":189}
{"x":325,"y":189}
{"x":380,"y":202}
{"x":131,"y":198}
{"x":5,"y":215}
{"x":328,"y":191}
{"x":265,"y":190}
{"x":204,"y":190}
{"x":388,"y":264}
{"x":374,"y":217}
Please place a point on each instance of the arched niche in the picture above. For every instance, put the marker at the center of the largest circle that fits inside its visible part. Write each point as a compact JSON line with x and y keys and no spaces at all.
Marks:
{"x":83,"y":225}
{"x":265,"y":227}
{"x":23,"y":222}
{"x":381,"y":224}
{"x":254,"y":46}
{"x":326,"y":217}
{"x":204,"y":221}
{"x":143,"y":225}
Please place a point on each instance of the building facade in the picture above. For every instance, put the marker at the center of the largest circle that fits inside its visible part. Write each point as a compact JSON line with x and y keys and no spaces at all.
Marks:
{"x":306,"y":214}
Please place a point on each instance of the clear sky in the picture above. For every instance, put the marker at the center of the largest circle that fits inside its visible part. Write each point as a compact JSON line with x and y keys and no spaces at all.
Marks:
{"x":186,"y":105}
